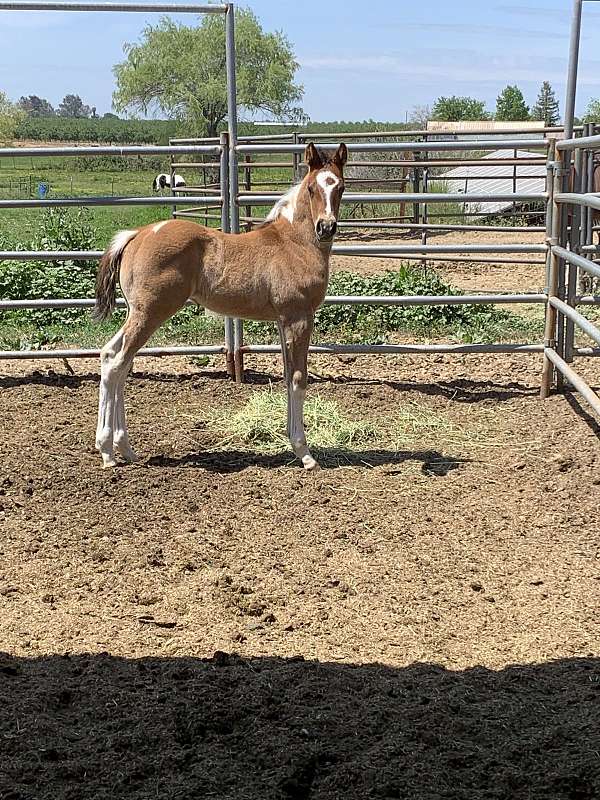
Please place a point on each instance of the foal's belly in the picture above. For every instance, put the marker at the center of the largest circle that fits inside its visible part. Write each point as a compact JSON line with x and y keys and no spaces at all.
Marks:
{"x":236,"y":304}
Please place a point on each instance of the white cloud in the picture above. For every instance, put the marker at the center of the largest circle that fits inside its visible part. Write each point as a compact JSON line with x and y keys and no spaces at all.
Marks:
{"x":447,"y":66}
{"x":456,"y":28}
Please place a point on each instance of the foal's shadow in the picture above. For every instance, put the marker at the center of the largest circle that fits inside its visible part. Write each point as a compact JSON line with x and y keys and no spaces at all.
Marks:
{"x":433,"y":463}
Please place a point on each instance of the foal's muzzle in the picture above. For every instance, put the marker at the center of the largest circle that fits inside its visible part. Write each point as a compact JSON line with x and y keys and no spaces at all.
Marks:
{"x":325,"y":229}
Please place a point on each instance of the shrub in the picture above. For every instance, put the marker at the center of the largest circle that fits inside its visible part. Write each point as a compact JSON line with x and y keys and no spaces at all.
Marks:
{"x":59,"y":229}
{"x":410,"y":279}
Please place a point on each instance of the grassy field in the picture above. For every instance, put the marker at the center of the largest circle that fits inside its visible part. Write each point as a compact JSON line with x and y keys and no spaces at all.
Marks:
{"x":88,"y":177}
{"x":19,"y":179}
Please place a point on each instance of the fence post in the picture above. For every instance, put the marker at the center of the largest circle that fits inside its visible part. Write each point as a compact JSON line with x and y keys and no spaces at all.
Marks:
{"x":172,"y":177}
{"x":226,"y":227}
{"x":238,"y":325}
{"x":248,"y":187}
{"x":575,"y":235}
{"x":416,"y":187}
{"x":589,"y":130}
{"x":514,"y":205}
{"x":295,"y":159}
{"x":553,"y":221}
{"x":425,"y":215}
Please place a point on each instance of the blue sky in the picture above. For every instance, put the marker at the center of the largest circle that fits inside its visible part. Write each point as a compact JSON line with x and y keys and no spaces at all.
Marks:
{"x":356,"y":64}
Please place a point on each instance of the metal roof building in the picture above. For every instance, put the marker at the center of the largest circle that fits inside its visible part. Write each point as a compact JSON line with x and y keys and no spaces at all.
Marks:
{"x":527,"y":179}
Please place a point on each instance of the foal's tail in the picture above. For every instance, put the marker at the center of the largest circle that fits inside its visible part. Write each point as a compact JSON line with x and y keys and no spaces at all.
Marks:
{"x":108,"y":275}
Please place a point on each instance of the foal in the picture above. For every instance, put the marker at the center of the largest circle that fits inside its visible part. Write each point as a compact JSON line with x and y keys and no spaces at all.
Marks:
{"x":277,"y":272}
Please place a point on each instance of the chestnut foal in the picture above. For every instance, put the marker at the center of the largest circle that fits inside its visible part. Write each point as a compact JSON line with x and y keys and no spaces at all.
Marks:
{"x":277,"y":272}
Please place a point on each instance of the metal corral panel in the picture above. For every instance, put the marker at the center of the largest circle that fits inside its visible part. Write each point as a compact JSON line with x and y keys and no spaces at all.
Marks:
{"x":480,"y":180}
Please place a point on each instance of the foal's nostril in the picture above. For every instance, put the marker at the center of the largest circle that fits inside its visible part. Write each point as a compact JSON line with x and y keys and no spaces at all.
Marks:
{"x":325,"y":229}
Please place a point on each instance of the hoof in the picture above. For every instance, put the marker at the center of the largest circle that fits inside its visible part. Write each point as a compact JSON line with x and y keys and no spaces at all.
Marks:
{"x":310,"y":464}
{"x":108,"y":462}
{"x":129,"y":455}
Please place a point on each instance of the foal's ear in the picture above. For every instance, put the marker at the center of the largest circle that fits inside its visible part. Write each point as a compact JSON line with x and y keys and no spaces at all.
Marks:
{"x":341,"y":156}
{"x":312,"y":157}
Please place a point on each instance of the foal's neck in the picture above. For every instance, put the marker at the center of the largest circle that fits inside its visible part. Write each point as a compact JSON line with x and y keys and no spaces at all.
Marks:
{"x":303,"y":226}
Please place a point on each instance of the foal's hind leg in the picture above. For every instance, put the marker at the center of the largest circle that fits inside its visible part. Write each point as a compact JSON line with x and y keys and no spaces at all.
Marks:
{"x":295,"y":338}
{"x":120,"y":434}
{"x":116,"y":359}
{"x":109,"y":366}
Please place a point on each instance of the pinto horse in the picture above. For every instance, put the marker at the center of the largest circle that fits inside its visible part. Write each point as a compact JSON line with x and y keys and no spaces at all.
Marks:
{"x":163,"y":181}
{"x":278,"y":272}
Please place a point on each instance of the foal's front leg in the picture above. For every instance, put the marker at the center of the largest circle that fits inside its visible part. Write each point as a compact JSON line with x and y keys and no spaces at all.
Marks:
{"x":295,"y":338}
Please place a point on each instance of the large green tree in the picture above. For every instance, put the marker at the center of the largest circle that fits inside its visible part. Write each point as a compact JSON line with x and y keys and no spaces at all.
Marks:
{"x":455,"y":109}
{"x":10,"y":117}
{"x":546,"y":108}
{"x":73,"y":106}
{"x":35,"y":106}
{"x":510,"y":105}
{"x":592,"y":112}
{"x":180,"y":72}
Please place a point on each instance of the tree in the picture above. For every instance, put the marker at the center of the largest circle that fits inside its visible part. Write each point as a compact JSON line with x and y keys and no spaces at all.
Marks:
{"x":592,"y":112}
{"x":453,"y":109}
{"x":546,"y":108}
{"x":180,"y":72}
{"x":420,"y":116}
{"x":10,"y":117}
{"x":510,"y":105}
{"x":35,"y":106}
{"x":72,"y":106}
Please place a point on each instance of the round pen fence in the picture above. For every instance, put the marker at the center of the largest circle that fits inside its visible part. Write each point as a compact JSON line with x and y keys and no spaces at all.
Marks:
{"x":226,"y":163}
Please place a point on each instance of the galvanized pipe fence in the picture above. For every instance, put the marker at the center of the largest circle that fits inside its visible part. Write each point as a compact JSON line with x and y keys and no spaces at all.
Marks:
{"x":416,"y":169}
{"x":563,"y":251}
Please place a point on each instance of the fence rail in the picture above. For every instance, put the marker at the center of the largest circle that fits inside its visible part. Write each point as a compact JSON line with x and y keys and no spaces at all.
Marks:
{"x":402,"y":147}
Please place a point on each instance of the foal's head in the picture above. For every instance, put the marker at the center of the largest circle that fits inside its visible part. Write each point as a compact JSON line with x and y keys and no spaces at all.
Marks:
{"x":325,"y":185}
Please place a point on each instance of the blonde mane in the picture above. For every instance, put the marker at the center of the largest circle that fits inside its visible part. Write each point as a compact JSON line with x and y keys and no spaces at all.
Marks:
{"x":285,"y":206}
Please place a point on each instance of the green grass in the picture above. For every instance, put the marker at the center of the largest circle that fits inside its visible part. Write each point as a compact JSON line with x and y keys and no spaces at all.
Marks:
{"x":65,"y":181}
{"x":189,"y":327}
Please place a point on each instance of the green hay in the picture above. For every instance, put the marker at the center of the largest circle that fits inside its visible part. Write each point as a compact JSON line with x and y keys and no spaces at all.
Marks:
{"x":261,"y":424}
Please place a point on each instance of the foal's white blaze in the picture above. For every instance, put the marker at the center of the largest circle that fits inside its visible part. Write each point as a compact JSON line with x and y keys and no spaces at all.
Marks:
{"x":285,"y":206}
{"x":327,"y":181}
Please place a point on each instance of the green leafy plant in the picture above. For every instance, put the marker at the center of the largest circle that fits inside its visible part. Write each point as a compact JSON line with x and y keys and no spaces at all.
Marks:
{"x":378,"y":320}
{"x":59,"y":229}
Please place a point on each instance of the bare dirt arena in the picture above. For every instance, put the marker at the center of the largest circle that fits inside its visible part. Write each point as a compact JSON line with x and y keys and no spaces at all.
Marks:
{"x":420,"y":622}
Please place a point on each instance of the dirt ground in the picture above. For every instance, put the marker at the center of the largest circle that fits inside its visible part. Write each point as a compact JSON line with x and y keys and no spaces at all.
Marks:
{"x":412,"y":622}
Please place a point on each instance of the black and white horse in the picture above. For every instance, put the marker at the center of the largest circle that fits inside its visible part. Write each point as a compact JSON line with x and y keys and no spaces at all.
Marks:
{"x":163,"y":181}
